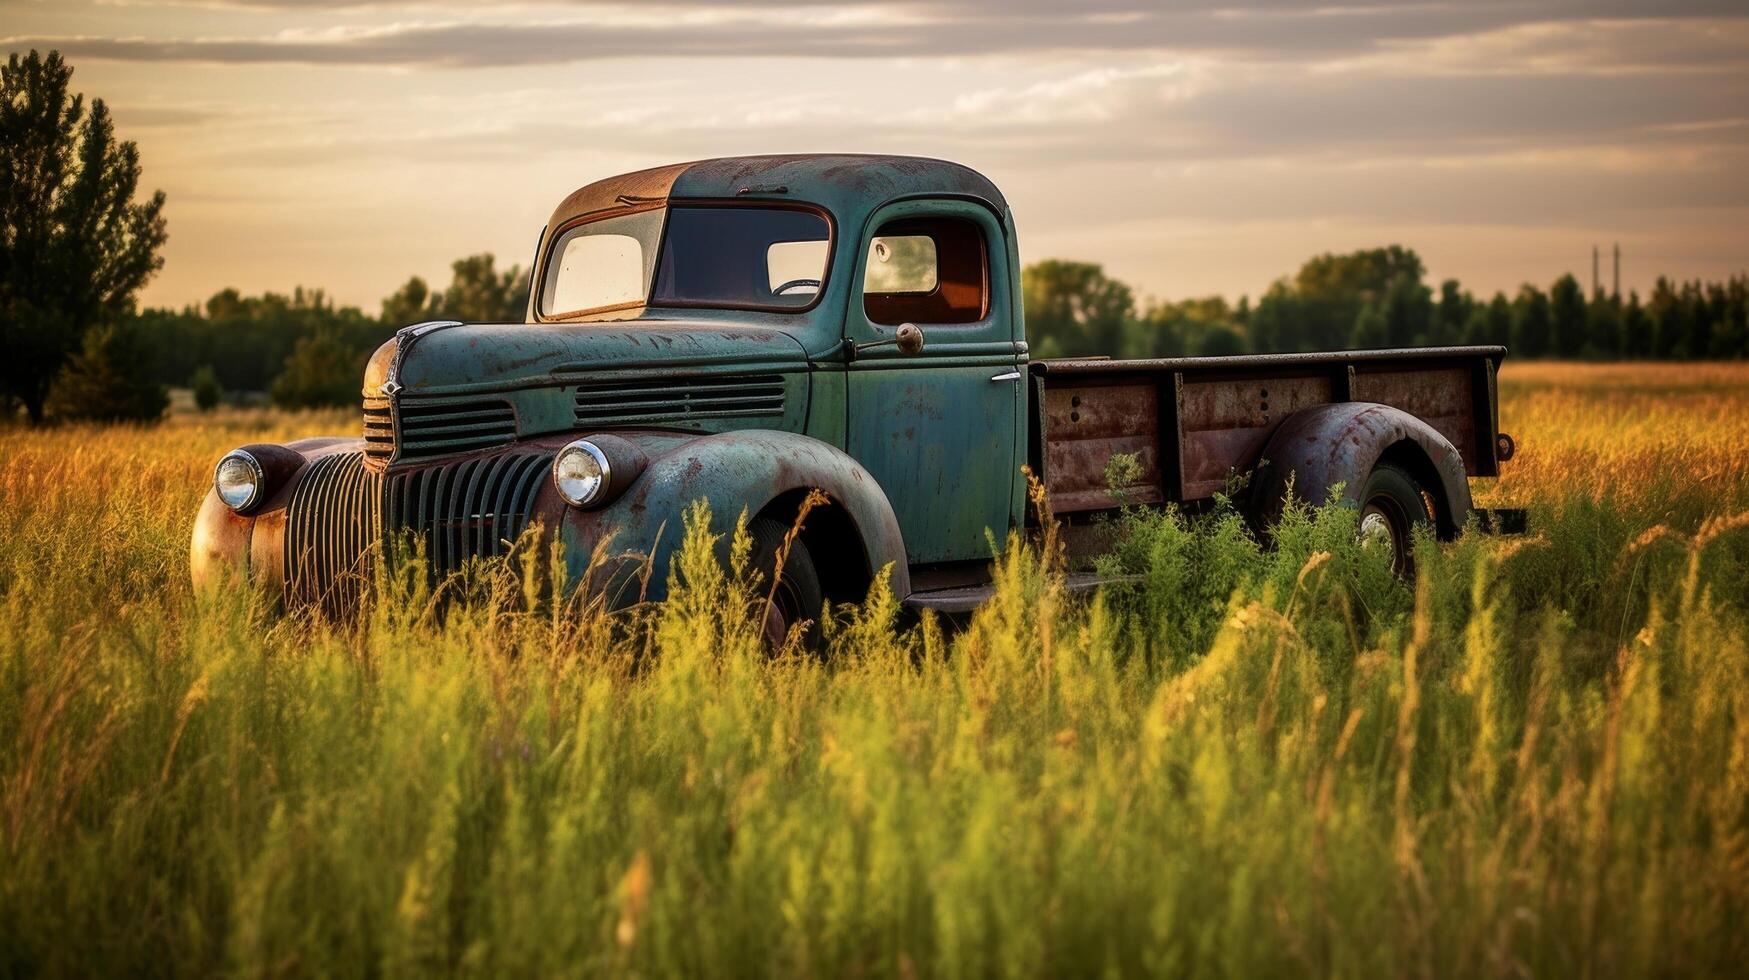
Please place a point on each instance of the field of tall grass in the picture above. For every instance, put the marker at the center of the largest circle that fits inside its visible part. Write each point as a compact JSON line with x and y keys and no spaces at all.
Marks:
{"x":1244,"y":762}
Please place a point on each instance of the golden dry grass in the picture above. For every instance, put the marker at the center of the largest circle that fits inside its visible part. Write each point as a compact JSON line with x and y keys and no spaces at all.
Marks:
{"x":1635,"y":433}
{"x":1248,"y":762}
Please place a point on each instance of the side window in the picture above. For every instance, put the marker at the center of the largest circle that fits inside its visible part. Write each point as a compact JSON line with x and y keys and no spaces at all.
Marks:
{"x":927,"y":270}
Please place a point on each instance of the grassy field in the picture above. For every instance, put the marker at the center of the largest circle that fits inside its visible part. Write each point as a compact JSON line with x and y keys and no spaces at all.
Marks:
{"x":1249,"y":763}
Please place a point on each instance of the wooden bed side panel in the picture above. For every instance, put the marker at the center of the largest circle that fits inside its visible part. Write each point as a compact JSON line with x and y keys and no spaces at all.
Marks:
{"x":1085,"y":425}
{"x":1196,"y":423}
{"x":1226,"y":421}
{"x":1443,"y":397}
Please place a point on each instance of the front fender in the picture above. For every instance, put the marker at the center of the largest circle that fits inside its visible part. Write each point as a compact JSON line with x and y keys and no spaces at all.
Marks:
{"x":228,"y":547}
{"x":734,"y":472}
{"x":1320,"y":447}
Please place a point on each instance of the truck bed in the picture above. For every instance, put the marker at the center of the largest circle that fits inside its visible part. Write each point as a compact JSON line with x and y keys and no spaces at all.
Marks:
{"x":1194,"y":423}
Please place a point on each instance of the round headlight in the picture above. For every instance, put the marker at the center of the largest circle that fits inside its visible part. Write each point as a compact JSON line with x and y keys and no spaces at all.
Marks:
{"x":581,"y":473}
{"x":238,"y":480}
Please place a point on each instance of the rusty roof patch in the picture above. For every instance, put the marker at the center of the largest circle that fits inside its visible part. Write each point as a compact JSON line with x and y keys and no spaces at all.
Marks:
{"x":847,"y":184}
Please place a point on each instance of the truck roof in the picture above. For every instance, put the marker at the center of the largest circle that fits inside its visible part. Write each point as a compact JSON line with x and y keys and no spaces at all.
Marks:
{"x":847,"y":184}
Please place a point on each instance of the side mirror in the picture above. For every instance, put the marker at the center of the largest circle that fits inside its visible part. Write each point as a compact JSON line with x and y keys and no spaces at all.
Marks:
{"x":908,"y":340}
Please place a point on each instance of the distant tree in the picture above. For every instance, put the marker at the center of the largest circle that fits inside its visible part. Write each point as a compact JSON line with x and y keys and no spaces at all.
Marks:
{"x":1566,"y":318}
{"x":1669,"y":326}
{"x":1452,"y":315}
{"x":1635,"y":331}
{"x":1192,"y":327}
{"x":1215,"y":340}
{"x":1602,"y":339}
{"x":478,"y":293}
{"x":1320,"y":307}
{"x":109,"y":380}
{"x":1072,"y":308}
{"x":1275,"y":324}
{"x":206,"y":388}
{"x":1334,"y":289}
{"x":1372,"y":328}
{"x":1699,"y":315}
{"x":1530,"y":323}
{"x":412,"y":303}
{"x":1730,"y":302}
{"x":74,"y":246}
{"x":323,"y":370}
{"x":1490,"y":323}
{"x":1408,"y":311}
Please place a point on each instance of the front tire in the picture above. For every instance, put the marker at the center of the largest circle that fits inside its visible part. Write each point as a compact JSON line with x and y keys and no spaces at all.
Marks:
{"x":798,"y":597}
{"x":1392,"y":507}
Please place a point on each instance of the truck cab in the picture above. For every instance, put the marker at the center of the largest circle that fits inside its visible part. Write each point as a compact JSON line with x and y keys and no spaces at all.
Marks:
{"x":755,"y":331}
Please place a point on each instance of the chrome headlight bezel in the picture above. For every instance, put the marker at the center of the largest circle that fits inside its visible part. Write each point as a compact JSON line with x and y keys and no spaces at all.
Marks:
{"x":257,"y":485}
{"x":591,"y":492}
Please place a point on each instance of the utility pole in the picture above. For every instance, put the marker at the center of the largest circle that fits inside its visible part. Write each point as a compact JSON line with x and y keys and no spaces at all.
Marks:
{"x":1594,"y":270}
{"x":1617,"y":290}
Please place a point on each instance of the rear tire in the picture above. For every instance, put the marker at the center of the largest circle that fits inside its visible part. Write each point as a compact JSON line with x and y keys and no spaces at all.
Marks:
{"x":798,"y":596}
{"x":1392,"y":507}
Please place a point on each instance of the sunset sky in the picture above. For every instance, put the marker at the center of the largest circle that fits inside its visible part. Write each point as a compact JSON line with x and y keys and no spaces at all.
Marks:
{"x":1193,"y":148}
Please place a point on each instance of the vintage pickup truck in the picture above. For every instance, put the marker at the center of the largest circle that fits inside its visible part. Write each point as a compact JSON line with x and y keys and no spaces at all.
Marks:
{"x":746,"y":330}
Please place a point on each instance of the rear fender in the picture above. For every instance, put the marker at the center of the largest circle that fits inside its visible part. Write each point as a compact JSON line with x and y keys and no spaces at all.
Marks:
{"x":735,"y":473}
{"x":1317,"y":448}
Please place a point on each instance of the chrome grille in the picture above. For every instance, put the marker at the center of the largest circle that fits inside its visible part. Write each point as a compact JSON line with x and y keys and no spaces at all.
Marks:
{"x":379,"y":430}
{"x":475,"y":507}
{"x":430,"y":429}
{"x":333,"y":519}
{"x":679,"y":400}
{"x":341,"y":509}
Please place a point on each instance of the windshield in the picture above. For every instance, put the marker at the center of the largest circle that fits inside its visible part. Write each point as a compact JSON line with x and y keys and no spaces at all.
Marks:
{"x":733,"y":257}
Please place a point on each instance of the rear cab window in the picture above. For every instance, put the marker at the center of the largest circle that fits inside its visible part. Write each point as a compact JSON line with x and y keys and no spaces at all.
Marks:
{"x":927,"y":270}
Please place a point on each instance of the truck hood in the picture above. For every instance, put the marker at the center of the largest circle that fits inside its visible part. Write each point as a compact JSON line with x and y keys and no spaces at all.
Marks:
{"x":461,"y":387}
{"x":468,"y":358}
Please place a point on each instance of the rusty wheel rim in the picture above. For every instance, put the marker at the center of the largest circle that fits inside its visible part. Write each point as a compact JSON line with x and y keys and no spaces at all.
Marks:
{"x":1383,"y":523}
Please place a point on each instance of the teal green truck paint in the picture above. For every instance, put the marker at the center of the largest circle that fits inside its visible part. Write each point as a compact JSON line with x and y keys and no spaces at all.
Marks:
{"x":744,"y":331}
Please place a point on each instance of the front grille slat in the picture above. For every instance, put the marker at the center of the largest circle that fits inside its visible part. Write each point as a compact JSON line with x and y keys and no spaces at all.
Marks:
{"x":343,"y":512}
{"x":503,"y":521}
{"x":484,"y":440}
{"x":424,"y":417}
{"x":415,"y":429}
{"x":679,"y":401}
{"x":332,"y":523}
{"x":436,"y":530}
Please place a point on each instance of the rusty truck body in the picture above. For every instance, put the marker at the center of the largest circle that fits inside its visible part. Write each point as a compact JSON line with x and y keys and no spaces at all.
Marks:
{"x":744,"y":331}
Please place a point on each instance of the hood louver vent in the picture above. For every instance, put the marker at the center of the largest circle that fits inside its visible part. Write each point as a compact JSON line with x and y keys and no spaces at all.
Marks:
{"x":679,"y":400}
{"x":436,"y":428}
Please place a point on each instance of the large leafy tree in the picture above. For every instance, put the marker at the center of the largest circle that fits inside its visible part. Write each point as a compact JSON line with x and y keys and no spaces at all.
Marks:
{"x":479,"y":293}
{"x":104,"y":382}
{"x":322,"y":370}
{"x":75,"y":247}
{"x":1072,"y":308}
{"x":1369,"y":298}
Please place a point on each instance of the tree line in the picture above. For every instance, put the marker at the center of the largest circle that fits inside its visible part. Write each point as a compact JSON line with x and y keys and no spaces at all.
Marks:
{"x":1380,"y":298}
{"x":76,"y":246}
{"x":303,"y":349}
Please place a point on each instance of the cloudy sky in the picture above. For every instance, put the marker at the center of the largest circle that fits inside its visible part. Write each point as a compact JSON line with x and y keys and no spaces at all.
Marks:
{"x":1203,"y":146}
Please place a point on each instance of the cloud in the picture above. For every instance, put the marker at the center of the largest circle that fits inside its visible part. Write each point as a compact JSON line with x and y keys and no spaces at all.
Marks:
{"x":1273,"y":29}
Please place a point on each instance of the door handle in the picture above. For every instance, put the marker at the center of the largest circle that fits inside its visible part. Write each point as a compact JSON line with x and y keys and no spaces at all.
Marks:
{"x":1007,"y":376}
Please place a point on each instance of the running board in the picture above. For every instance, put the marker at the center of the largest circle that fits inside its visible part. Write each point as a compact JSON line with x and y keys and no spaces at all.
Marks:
{"x":962,"y":599}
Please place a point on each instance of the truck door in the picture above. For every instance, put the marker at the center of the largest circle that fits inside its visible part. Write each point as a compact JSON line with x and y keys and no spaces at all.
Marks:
{"x":939,"y":429}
